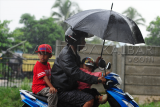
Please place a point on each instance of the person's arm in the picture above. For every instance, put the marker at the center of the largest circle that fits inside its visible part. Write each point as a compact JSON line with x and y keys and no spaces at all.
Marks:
{"x":52,"y":89}
{"x":97,"y":74}
{"x":103,"y":74}
{"x":96,"y":63}
{"x":97,"y":60}
{"x":71,"y":69}
{"x":102,"y":79}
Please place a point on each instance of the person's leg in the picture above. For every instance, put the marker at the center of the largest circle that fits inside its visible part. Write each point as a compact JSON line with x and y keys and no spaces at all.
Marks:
{"x":101,"y":98}
{"x":91,"y":91}
{"x":76,"y":98}
{"x":52,"y":98}
{"x":89,"y":103}
{"x":94,"y":93}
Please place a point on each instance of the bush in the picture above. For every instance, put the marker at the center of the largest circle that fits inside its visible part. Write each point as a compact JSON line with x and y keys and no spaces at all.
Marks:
{"x":10,"y":97}
{"x":26,"y":84}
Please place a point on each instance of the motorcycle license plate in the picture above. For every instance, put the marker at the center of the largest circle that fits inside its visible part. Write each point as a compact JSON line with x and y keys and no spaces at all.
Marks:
{"x":129,"y":95}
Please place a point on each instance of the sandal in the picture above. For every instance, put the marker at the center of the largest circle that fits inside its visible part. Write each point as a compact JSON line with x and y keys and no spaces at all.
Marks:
{"x":102,"y":99}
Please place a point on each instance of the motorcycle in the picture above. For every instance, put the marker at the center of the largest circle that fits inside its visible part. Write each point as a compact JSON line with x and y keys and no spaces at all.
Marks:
{"x":33,"y":100}
{"x":116,"y":96}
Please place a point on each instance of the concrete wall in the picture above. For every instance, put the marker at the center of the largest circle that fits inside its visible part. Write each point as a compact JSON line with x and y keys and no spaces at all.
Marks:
{"x":138,"y":66}
{"x":142,"y":70}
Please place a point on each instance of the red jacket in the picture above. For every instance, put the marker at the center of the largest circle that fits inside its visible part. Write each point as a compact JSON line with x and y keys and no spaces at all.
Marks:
{"x":82,"y":85}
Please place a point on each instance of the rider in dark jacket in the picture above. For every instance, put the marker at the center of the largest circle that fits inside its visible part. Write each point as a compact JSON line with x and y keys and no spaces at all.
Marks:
{"x":65,"y":71}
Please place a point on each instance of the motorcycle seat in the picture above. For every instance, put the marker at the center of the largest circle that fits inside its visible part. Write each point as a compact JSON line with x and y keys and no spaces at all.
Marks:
{"x":42,"y":98}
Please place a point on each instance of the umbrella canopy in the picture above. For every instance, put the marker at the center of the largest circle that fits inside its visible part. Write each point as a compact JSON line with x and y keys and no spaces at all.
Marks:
{"x":107,"y":24}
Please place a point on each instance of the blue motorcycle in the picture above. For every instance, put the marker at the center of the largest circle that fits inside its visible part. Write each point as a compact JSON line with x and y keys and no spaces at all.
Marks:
{"x":32,"y":100}
{"x":116,"y":96}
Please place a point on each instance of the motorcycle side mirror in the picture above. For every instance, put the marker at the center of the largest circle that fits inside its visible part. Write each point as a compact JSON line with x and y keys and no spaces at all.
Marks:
{"x":108,"y":66}
{"x":102,"y":63}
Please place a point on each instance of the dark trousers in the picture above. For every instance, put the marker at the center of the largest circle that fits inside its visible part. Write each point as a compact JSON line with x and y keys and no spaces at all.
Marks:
{"x":91,"y":91}
{"x":94,"y":93}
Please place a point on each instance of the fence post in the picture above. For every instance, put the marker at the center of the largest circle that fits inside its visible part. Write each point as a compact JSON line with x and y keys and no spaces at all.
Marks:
{"x":58,"y":48}
{"x":8,"y":73}
{"x":123,"y":67}
{"x":114,"y":60}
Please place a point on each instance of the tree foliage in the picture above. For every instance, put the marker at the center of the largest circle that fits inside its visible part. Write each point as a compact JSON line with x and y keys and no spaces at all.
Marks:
{"x":41,"y":31}
{"x":16,"y":34}
{"x":5,"y":40}
{"x":133,"y":14}
{"x":154,"y":35}
{"x":66,"y":8}
{"x":95,"y":40}
{"x":9,"y":39}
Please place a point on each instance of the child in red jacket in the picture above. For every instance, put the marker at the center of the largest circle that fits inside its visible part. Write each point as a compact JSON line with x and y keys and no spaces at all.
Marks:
{"x":87,"y":66}
{"x":41,"y":84}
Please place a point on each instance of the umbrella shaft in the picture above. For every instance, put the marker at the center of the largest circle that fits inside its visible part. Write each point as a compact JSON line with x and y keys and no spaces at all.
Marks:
{"x":102,"y":48}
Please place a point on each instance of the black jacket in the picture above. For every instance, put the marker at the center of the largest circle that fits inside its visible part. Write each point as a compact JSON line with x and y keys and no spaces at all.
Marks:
{"x":65,"y":71}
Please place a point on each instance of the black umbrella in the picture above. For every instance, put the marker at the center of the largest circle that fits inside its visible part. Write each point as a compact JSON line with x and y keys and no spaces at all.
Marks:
{"x":108,"y":25}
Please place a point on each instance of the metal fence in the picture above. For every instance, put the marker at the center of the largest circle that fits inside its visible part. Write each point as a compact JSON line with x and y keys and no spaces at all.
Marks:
{"x":14,"y":70}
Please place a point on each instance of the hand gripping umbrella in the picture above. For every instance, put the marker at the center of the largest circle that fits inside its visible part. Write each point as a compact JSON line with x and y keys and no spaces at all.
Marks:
{"x":108,"y":25}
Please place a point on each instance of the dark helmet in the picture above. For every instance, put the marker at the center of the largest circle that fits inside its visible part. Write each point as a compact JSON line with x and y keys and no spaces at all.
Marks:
{"x":73,"y":37}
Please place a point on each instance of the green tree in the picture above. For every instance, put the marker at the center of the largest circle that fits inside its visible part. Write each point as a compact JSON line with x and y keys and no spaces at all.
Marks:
{"x":95,"y":40}
{"x":66,"y":9}
{"x":5,"y":40}
{"x":41,"y":31}
{"x":134,"y":15}
{"x":154,"y":35}
{"x":16,"y":35}
{"x":117,"y":44}
{"x":9,"y":39}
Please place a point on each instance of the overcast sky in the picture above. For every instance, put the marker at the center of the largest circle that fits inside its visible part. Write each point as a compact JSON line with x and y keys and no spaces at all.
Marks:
{"x":13,"y":9}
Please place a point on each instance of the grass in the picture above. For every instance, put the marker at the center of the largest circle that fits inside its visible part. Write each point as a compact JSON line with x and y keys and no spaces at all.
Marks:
{"x":153,"y":104}
{"x":104,"y":105}
{"x":10,"y":97}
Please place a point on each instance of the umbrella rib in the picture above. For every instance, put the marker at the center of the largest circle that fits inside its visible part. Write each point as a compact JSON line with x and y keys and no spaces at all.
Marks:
{"x":89,"y":15}
{"x":129,"y":29}
{"x":107,"y":33}
{"x":108,"y":22}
